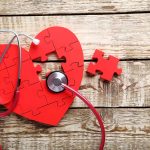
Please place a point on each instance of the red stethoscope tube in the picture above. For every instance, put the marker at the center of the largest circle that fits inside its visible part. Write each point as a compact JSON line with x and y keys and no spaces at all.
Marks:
{"x":94,"y":111}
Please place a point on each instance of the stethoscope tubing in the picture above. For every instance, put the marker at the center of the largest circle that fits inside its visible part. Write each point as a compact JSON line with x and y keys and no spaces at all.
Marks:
{"x":93,"y":110}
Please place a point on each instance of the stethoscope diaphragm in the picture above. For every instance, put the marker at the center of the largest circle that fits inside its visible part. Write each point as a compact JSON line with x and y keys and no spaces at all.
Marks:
{"x":54,"y":81}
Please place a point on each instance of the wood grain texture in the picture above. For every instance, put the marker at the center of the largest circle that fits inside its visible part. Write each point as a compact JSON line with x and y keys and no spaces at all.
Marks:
{"x":99,"y":24}
{"x":131,"y":89}
{"x":125,"y":36}
{"x":125,"y":129}
{"x":22,"y":7}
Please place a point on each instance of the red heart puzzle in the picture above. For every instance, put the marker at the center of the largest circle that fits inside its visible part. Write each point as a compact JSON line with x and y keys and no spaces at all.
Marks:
{"x":36,"y":102}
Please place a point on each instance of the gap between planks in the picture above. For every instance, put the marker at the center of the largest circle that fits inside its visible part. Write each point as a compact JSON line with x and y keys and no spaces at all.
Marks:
{"x":78,"y":14}
{"x":65,"y":7}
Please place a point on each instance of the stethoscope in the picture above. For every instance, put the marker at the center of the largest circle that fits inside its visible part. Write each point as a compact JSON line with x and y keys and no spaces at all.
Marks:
{"x":56,"y":82}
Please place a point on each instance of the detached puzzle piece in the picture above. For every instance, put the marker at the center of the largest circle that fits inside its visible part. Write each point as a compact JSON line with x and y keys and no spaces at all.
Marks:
{"x":107,"y":67}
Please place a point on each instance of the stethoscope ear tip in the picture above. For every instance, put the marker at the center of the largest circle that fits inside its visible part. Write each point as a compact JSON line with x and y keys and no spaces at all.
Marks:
{"x":36,"y":41}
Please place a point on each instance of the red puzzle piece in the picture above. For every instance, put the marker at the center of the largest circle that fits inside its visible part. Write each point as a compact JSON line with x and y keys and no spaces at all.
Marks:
{"x":107,"y":67}
{"x":44,"y":48}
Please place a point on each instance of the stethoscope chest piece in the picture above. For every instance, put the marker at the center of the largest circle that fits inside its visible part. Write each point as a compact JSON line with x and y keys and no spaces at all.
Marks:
{"x":54,"y":81}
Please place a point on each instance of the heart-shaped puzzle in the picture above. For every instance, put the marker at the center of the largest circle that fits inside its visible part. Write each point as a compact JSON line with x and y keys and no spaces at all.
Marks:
{"x":36,"y":102}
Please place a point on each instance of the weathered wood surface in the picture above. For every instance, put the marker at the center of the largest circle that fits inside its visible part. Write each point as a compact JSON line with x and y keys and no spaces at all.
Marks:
{"x":22,"y":7}
{"x":121,"y":28}
{"x":126,"y":129}
{"x":131,"y":89}
{"x":125,"y":36}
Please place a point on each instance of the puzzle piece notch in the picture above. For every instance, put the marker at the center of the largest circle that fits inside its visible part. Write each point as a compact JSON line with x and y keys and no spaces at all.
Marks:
{"x":64,"y":99}
{"x":38,"y":69}
{"x":106,"y":67}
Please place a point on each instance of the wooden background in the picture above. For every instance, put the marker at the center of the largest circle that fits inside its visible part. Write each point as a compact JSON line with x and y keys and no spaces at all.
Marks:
{"x":121,"y":28}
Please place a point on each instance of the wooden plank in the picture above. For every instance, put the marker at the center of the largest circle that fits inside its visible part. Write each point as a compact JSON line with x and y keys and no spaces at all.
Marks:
{"x":125,"y":36}
{"x":125,"y":129}
{"x":22,"y":7}
{"x":131,"y":89}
